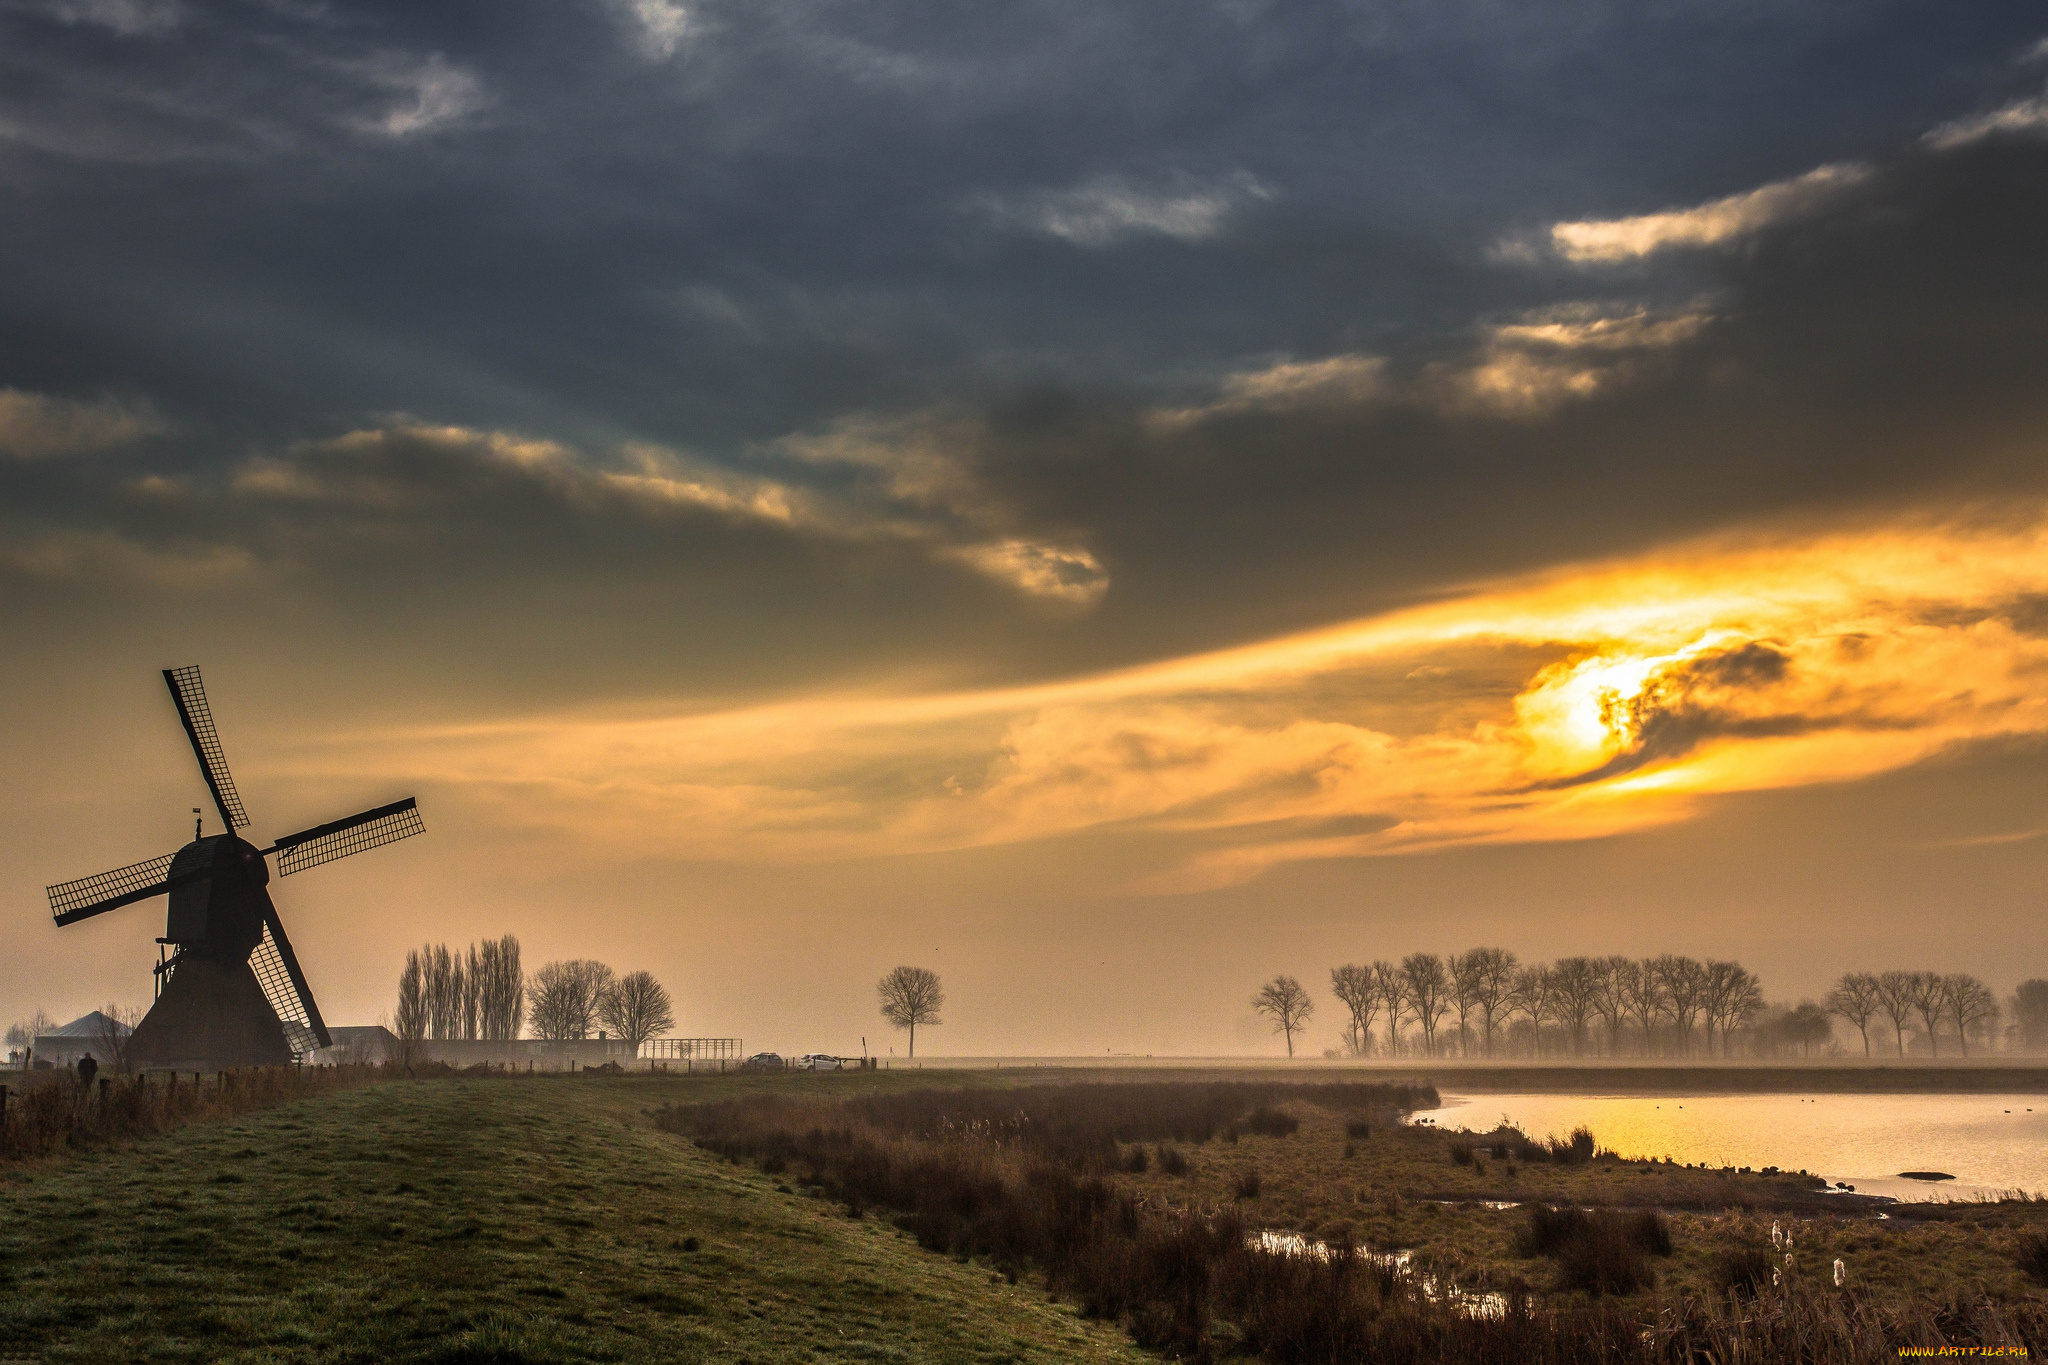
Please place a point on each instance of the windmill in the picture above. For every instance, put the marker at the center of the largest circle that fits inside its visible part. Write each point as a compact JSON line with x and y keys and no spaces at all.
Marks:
{"x":230,"y":992}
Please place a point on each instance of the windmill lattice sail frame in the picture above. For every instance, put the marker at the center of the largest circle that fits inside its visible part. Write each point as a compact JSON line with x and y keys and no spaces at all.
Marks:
{"x":137,"y":879}
{"x":358,"y":833}
{"x":268,"y":965}
{"x":190,"y":694}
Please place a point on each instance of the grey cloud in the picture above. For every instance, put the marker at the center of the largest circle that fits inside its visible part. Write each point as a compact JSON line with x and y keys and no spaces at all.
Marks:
{"x":427,"y":93}
{"x":660,"y":27}
{"x":128,"y":18}
{"x":1108,"y":209}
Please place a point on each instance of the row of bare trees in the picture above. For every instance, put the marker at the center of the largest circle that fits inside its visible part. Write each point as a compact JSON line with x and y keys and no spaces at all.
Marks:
{"x":482,"y":993}
{"x":479,"y":993}
{"x":573,"y":1000}
{"x":1479,"y":1000}
{"x":1957,"y":1001}
{"x":1486,"y":1000}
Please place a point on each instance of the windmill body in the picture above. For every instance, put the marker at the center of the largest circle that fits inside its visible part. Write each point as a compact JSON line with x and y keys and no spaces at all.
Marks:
{"x":219,"y":913}
{"x":231,"y":992}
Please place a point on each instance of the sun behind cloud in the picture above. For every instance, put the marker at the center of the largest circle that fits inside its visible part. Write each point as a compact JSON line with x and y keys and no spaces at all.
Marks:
{"x":1586,"y":701}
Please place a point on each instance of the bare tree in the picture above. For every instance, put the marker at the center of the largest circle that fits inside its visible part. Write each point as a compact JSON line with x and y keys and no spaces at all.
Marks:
{"x":1493,"y":987}
{"x":1355,"y":988}
{"x":1464,"y":969}
{"x":1805,"y":1025}
{"x":636,"y":1008}
{"x":1930,"y":1002}
{"x":1575,"y":982}
{"x":1428,"y":993}
{"x":1738,"y":999}
{"x":1393,"y":998}
{"x":1728,"y":991}
{"x":117,"y":1024}
{"x":1971,"y":1005}
{"x":441,"y":990}
{"x":1287,"y":1004}
{"x":1645,"y":999}
{"x":1895,"y":999}
{"x":413,"y":1017}
{"x":1610,"y":997}
{"x":469,"y":991}
{"x":1684,"y":982}
{"x":1533,"y":995}
{"x":1856,"y":997}
{"x":911,"y":996}
{"x":501,"y":989}
{"x":22,"y":1034}
{"x":563,"y":998}
{"x":551,"y":1009}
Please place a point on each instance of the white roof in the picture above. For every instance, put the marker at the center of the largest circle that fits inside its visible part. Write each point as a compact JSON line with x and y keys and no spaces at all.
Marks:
{"x":93,"y":1025}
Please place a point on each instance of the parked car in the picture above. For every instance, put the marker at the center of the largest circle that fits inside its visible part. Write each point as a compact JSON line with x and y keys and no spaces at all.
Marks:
{"x":763,"y":1061}
{"x":818,"y":1061}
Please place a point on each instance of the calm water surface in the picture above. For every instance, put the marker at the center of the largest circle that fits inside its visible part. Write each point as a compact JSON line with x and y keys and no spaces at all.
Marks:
{"x":1990,"y":1143}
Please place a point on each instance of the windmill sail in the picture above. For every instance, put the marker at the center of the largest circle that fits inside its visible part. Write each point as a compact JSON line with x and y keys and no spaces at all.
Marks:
{"x":190,"y":695}
{"x":340,"y":838}
{"x":89,"y":896}
{"x":284,"y":986}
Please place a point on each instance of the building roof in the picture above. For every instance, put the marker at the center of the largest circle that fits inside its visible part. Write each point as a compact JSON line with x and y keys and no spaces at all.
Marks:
{"x":92,"y":1025}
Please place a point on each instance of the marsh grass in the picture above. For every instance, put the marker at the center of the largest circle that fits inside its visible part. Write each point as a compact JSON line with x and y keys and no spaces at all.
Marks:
{"x":2031,"y":1255}
{"x":1184,"y":1277}
{"x":1743,"y":1272}
{"x":1597,"y":1251}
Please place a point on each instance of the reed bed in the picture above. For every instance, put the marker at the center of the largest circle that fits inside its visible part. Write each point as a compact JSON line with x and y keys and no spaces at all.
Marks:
{"x":1028,"y":1181}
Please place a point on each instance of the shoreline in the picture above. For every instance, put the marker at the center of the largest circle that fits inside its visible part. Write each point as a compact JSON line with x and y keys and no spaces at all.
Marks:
{"x":1606,"y":1078}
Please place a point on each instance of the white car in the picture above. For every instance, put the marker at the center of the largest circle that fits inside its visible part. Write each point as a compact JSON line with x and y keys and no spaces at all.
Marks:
{"x":818,"y":1061}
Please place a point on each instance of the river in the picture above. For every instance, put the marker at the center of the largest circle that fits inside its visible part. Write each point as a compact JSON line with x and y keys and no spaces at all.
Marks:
{"x":1989,"y":1143}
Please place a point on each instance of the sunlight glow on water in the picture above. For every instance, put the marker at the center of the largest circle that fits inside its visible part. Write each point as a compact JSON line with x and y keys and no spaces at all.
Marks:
{"x":1989,"y":1143}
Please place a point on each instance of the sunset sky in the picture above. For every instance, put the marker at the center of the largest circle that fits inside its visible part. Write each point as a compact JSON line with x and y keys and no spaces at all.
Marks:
{"x":1107,"y":501}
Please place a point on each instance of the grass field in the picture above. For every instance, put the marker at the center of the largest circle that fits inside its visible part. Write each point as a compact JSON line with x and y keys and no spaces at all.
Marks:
{"x":473,"y":1221}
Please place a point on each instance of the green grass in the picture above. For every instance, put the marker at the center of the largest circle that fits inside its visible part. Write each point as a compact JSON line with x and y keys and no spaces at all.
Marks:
{"x":474,"y":1221}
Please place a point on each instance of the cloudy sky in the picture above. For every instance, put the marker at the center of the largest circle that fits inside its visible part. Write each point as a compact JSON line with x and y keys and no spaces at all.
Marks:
{"x":1110,"y":501}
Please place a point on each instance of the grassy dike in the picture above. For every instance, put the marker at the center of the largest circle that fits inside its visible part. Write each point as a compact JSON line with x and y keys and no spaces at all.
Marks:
{"x":479,"y":1220}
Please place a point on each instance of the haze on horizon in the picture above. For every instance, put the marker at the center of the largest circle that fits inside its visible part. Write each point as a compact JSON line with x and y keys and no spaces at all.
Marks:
{"x":1108,"y":502}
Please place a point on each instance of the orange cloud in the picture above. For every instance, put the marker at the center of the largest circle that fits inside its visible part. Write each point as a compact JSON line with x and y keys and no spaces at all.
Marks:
{"x":1585,"y":701}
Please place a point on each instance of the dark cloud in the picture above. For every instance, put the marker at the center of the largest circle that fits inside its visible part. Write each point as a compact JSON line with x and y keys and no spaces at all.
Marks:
{"x":1013,"y":239}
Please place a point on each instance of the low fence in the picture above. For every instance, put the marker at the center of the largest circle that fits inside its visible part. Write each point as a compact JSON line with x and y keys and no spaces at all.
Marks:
{"x":718,"y":1053}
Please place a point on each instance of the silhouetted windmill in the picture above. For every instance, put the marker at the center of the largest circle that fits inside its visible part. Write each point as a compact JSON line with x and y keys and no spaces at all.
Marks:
{"x":231,"y":992}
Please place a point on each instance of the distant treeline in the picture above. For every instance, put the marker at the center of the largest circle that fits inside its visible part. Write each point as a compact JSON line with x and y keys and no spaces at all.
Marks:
{"x":1487,"y":1002}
